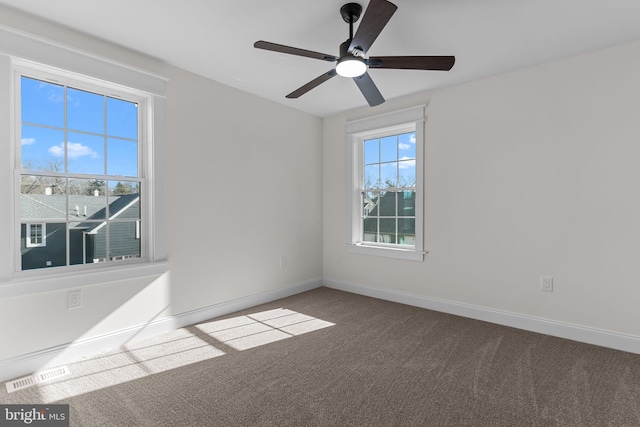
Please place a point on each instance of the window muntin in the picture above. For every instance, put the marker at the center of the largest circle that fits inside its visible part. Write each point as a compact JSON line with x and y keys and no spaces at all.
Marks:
{"x":80,"y":171}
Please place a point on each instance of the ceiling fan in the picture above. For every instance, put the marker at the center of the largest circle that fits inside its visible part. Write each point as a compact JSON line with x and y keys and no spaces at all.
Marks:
{"x":352,"y":61}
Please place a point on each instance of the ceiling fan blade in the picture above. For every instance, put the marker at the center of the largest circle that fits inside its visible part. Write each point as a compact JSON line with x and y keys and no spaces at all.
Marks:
{"x":440,"y":63}
{"x":369,"y":89}
{"x":374,"y":20}
{"x":313,"y":83}
{"x":261,"y":44}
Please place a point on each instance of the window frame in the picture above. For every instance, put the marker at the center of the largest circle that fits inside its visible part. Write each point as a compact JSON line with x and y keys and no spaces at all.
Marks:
{"x":43,"y":235}
{"x":22,"y":68}
{"x":357,"y":131}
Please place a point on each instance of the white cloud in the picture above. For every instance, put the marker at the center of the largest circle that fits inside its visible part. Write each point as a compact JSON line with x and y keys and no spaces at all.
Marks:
{"x":27,"y":141}
{"x":405,"y":146}
{"x":74,"y":150}
{"x":57,"y":150}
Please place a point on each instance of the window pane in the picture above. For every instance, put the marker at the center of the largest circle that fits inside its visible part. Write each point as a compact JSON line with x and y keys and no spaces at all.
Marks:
{"x":407,"y":203}
{"x":42,"y":149}
{"x":387,"y":204}
{"x":122,"y":118}
{"x":54,"y":254}
{"x":407,"y":146}
{"x":389,"y":174}
{"x":372,"y":176}
{"x":85,"y":111}
{"x":83,"y":241}
{"x":87,"y":242}
{"x":407,"y":173}
{"x":42,"y":198}
{"x":118,"y":188}
{"x":407,"y":231}
{"x":84,"y":204}
{"x":122,"y":157}
{"x":124,"y":200}
{"x":123,"y":240}
{"x":369,"y":200}
{"x":389,"y":149}
{"x":85,"y":153}
{"x":87,"y":187}
{"x":371,"y":151}
{"x":387,"y":230}
{"x":370,"y":230}
{"x":41,"y":102}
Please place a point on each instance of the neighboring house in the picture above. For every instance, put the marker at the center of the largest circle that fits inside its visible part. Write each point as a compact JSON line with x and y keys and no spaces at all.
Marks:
{"x":43,"y":229}
{"x":383,"y":224}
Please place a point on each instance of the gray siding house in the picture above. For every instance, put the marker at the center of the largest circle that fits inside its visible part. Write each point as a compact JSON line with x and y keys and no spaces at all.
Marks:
{"x":390,"y":218}
{"x":44,"y":225}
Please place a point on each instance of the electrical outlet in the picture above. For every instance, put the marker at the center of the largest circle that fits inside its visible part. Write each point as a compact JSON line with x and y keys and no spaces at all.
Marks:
{"x":546,"y":283}
{"x":74,"y":299}
{"x":283,"y":261}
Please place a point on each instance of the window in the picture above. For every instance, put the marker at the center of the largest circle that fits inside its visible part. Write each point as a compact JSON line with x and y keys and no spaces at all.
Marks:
{"x":385,"y":184}
{"x":80,"y":170}
{"x":35,"y":235}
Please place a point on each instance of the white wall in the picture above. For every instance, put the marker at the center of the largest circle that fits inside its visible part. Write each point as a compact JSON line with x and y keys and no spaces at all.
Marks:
{"x":245,"y":190}
{"x":529,"y":173}
{"x":243,"y":187}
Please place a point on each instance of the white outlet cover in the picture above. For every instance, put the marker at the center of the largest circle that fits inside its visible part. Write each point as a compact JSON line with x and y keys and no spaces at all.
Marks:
{"x":74,"y":299}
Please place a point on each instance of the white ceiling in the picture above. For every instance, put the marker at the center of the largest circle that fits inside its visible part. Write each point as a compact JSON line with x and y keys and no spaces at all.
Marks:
{"x":215,"y":39}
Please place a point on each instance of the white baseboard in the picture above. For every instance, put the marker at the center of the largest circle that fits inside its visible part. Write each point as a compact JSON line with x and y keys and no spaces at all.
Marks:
{"x":67,"y":353}
{"x":585,"y":334}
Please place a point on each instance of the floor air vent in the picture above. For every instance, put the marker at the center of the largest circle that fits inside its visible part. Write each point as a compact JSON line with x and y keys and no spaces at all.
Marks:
{"x":37,"y":378}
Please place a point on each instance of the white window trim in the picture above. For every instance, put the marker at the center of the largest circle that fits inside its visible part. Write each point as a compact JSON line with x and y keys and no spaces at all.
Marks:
{"x":356,"y":132}
{"x":29,"y":243}
{"x":20,"y":47}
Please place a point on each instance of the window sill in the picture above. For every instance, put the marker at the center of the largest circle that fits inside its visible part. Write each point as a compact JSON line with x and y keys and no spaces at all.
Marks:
{"x":24,"y":284}
{"x":387,"y":252}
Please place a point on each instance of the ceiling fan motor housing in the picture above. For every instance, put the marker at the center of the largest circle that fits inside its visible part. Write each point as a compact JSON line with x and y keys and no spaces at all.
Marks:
{"x":351,"y":12}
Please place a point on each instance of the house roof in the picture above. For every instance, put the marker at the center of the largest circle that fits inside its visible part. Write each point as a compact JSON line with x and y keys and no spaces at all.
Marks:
{"x":386,"y":205}
{"x":52,"y":208}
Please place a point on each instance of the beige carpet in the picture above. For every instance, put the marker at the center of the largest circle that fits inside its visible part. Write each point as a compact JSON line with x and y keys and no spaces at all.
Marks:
{"x":330,"y":358}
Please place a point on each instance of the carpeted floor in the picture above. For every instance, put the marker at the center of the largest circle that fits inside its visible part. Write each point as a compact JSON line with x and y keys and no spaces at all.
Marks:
{"x":331,"y":358}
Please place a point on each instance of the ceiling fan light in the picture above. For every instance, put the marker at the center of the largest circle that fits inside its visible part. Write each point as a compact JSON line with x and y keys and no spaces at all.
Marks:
{"x":351,"y":67}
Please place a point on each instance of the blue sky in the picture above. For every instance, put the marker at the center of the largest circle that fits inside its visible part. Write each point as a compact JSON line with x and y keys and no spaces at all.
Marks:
{"x":87,"y":145}
{"x":391,"y":159}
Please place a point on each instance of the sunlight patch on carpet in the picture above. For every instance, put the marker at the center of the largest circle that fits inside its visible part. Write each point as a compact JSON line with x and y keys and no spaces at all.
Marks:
{"x":254,"y":330}
{"x":172,"y":350}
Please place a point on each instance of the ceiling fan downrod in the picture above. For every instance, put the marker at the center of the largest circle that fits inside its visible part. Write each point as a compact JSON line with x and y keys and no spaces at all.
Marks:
{"x":351,"y":13}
